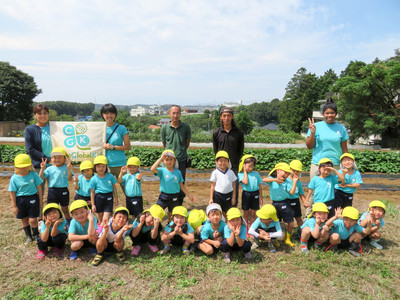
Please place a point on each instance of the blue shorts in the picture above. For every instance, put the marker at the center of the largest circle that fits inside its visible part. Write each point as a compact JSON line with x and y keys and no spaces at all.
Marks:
{"x":104,"y":202}
{"x":295,"y":204}
{"x":134,"y":205}
{"x":169,"y":200}
{"x":87,"y":199}
{"x":251,"y":200}
{"x":28,"y":206}
{"x":284,"y":210}
{"x":343,"y":199}
{"x":224,"y":200}
{"x":58,"y":195}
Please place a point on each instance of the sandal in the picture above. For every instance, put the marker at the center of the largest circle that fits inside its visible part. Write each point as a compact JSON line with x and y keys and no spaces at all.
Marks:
{"x":97,"y":260}
{"x":120,"y":256}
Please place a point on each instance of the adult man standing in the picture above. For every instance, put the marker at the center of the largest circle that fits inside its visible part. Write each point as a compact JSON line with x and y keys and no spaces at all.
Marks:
{"x":176,"y":136}
{"x":230,"y":138}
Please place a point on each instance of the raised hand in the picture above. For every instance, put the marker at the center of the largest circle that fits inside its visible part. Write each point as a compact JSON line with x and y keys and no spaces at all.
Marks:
{"x":139,"y":176}
{"x":311,"y":125}
{"x":69,"y":165}
{"x":43,"y":163}
{"x":124,"y":169}
{"x":156,"y":221}
{"x":142,"y":219}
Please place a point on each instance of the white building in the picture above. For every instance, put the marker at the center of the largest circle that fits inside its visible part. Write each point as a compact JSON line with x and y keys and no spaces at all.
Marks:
{"x":232,"y":104}
{"x":139,"y":111}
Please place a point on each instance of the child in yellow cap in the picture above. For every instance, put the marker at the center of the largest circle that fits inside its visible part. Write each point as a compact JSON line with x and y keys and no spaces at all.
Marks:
{"x":26,"y":195}
{"x":178,"y":232}
{"x":376,"y":211}
{"x":132,"y":184}
{"x":235,"y":235}
{"x":147,"y":229}
{"x":278,"y":190}
{"x":345,"y":190}
{"x":266,"y":227}
{"x":82,"y":182}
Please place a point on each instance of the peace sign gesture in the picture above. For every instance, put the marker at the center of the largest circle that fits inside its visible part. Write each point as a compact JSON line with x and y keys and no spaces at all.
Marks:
{"x":311,"y":125}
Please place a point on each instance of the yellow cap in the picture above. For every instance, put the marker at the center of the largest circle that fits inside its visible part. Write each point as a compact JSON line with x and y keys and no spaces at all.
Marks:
{"x":169,"y":153}
{"x":268,"y":211}
{"x":349,"y":155}
{"x":179,"y":210}
{"x":133,"y":161}
{"x":53,"y":205}
{"x":78,"y":204}
{"x":85,"y":165}
{"x":196,"y":218}
{"x":22,"y":161}
{"x":350,"y":212}
{"x":222,"y":153}
{"x":377,"y":203}
{"x":281,"y":166}
{"x":100,"y":159}
{"x":121,"y":208}
{"x":233,"y":212}
{"x":58,"y":151}
{"x":320,"y":207}
{"x":324,"y":161}
{"x":156,"y":211}
{"x":296,"y":165}
{"x":243,"y":159}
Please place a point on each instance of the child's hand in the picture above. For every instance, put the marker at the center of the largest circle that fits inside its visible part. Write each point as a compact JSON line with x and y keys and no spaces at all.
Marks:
{"x":75,"y":178}
{"x":369,"y":218}
{"x":217,"y":244}
{"x":325,"y":227}
{"x":90,"y":217}
{"x":15,"y":210}
{"x":190,"y":197}
{"x":295,"y":178}
{"x":311,"y":125}
{"x":142,"y":219}
{"x":47,"y":222}
{"x":69,"y":165}
{"x":345,"y":171}
{"x":230,"y":226}
{"x":59,"y":221}
{"x":343,"y":185}
{"x":338,"y":212}
{"x":178,"y":230}
{"x":306,"y":204}
{"x":156,"y":221}
{"x":210,"y":201}
{"x":237,"y":230}
{"x":215,"y":234}
{"x":43,"y":164}
{"x":127,"y":227}
{"x":105,"y":224}
{"x":124,"y":169}
{"x":93,"y":208}
{"x":332,"y":169}
{"x":318,"y":221}
{"x":139,"y":176}
{"x":377,"y":223}
{"x":279,"y":181}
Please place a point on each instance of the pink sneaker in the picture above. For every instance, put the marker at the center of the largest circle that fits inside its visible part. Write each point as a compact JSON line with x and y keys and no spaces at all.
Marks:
{"x":41,"y":254}
{"x":99,"y":228}
{"x":153,"y":248}
{"x":58,"y":251}
{"x":136,"y":250}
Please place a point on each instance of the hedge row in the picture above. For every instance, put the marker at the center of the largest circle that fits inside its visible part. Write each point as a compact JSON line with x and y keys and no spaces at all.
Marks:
{"x":367,"y":161}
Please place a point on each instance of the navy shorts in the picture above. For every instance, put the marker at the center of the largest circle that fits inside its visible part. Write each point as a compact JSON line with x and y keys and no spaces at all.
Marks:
{"x":134,"y":205}
{"x":331,"y":205}
{"x":104,"y":202}
{"x":28,"y":206}
{"x":295,"y":204}
{"x":311,"y":240}
{"x":284,"y":210}
{"x":87,"y":244}
{"x":343,"y":199}
{"x":224,"y":200}
{"x":87,"y":199}
{"x":345,"y":244}
{"x":58,"y":195}
{"x":251,"y":200}
{"x":169,"y":200}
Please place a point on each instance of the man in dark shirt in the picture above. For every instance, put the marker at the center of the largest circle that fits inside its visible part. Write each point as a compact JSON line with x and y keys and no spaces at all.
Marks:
{"x":230,"y":138}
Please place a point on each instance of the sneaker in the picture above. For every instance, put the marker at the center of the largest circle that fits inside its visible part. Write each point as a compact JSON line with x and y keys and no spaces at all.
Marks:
{"x":271,"y":248}
{"x":92,"y":251}
{"x":120,"y":256}
{"x":164,"y":251}
{"x":185,"y":251}
{"x":35,"y":237}
{"x":136,"y":250}
{"x":28,"y":240}
{"x":332,"y":247}
{"x":254,"y":246}
{"x":276,"y":243}
{"x":227,"y":257}
{"x":355,"y":249}
{"x":74,"y":255}
{"x":317,"y":246}
{"x":355,"y":253}
{"x":41,"y":254}
{"x":374,"y":243}
{"x":304,"y":249}
{"x":97,"y":260}
{"x":153,"y":248}
{"x":247,"y":255}
{"x":58,"y":251}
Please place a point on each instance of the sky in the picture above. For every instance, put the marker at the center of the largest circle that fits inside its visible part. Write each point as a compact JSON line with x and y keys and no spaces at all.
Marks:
{"x":188,"y":52}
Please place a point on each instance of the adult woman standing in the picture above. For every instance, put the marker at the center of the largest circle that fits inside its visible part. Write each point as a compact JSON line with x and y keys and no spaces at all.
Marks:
{"x":328,"y":139}
{"x":117,"y":140}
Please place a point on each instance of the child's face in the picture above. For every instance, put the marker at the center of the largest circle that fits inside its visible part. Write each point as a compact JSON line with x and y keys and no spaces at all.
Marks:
{"x":80,"y":214}
{"x":347,"y":163}
{"x":169,"y":162}
{"x":348,"y":222}
{"x":53,"y":215}
{"x":321,"y":215}
{"x":377,"y":212}
{"x":215,"y":216}
{"x":101,"y":168}
{"x":88,"y":173}
{"x":179,"y":220}
{"x":324,"y":171}
{"x":120,"y":219}
{"x":58,"y":160}
{"x":297,"y":173}
{"x":149,"y":219}
{"x":249,"y":167}
{"x":282,"y":175}
{"x":109,"y":117}
{"x":133,"y":169}
{"x":267,"y":221}
{"x":22,"y":171}
{"x":235,"y":222}
{"x":222,"y":163}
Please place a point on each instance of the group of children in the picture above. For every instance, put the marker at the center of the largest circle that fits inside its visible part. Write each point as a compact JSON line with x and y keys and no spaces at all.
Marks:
{"x":222,"y":227}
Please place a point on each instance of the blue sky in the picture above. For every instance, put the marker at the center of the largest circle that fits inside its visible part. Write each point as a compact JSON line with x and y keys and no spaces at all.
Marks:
{"x":188,"y":52}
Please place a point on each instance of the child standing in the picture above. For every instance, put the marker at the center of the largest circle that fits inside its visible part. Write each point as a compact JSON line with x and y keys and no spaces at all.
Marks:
{"x":323,"y":185}
{"x":376,"y":212}
{"x":171,"y":181}
{"x":132,"y":183}
{"x":223,"y":188}
{"x":147,"y":229}
{"x":344,"y":191}
{"x":296,"y":191}
{"x":82,"y":182}
{"x":235,"y":235}
{"x":280,"y":197}
{"x":103,"y":190}
{"x":59,"y":174}
{"x":111,"y":238}
{"x":52,"y":232}
{"x":82,"y":230}
{"x":212,"y":232}
{"x":251,"y":183}
{"x":26,"y":195}
{"x":178,"y":232}
{"x":266,"y":227}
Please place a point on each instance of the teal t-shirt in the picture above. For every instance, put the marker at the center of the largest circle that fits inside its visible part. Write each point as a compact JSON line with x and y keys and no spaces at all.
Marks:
{"x":102,"y":185}
{"x":60,"y":227}
{"x":169,"y":227}
{"x":323,"y":188}
{"x":328,"y":138}
{"x":310,"y":222}
{"x":207,"y":231}
{"x":145,"y":228}
{"x":25,"y":185}
{"x":133,"y":187}
{"x":84,"y":186}
{"x":76,"y":227}
{"x":278,"y":192}
{"x":58,"y":176}
{"x":116,"y":158}
{"x":169,"y":181}
{"x":257,"y":224}
{"x":242,"y":234}
{"x":299,"y":188}
{"x":254,"y":179}
{"x":364,"y":215}
{"x":46,"y":140}
{"x":338,"y":227}
{"x":349,"y":179}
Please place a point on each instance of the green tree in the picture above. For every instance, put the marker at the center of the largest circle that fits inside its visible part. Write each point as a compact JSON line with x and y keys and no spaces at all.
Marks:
{"x":244,"y":122}
{"x":70,"y":108}
{"x":325,"y":84}
{"x":17,"y":91}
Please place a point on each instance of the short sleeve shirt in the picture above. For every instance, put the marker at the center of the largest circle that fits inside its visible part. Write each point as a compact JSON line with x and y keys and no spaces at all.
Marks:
{"x":133,"y":187}
{"x":169,"y":227}
{"x":257,"y":224}
{"x":84,"y":186}
{"x":364,"y":215}
{"x":25,"y":185}
{"x":102,"y":185}
{"x":169,"y":181}
{"x":175,"y":139}
{"x":111,"y":234}
{"x":144,"y":227}
{"x":338,"y":227}
{"x":207,"y":232}
{"x":254,"y":180}
{"x":58,"y":176}
{"x":310,"y":222}
{"x":242,"y":234}
{"x":223,"y":180}
{"x":116,"y":158}
{"x":299,"y":188}
{"x":278,"y":192}
{"x":60,"y":227}
{"x":76,"y":227}
{"x":349,"y":179}
{"x":323,"y":188}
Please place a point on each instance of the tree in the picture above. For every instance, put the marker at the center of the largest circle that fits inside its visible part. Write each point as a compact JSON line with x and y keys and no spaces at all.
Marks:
{"x":368,"y":99}
{"x":244,"y":122}
{"x":70,"y":108}
{"x":17,"y":91}
{"x":325,"y":83}
{"x":264,"y":112}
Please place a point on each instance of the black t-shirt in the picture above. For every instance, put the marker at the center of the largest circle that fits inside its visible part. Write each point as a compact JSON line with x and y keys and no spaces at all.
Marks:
{"x":232,"y":142}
